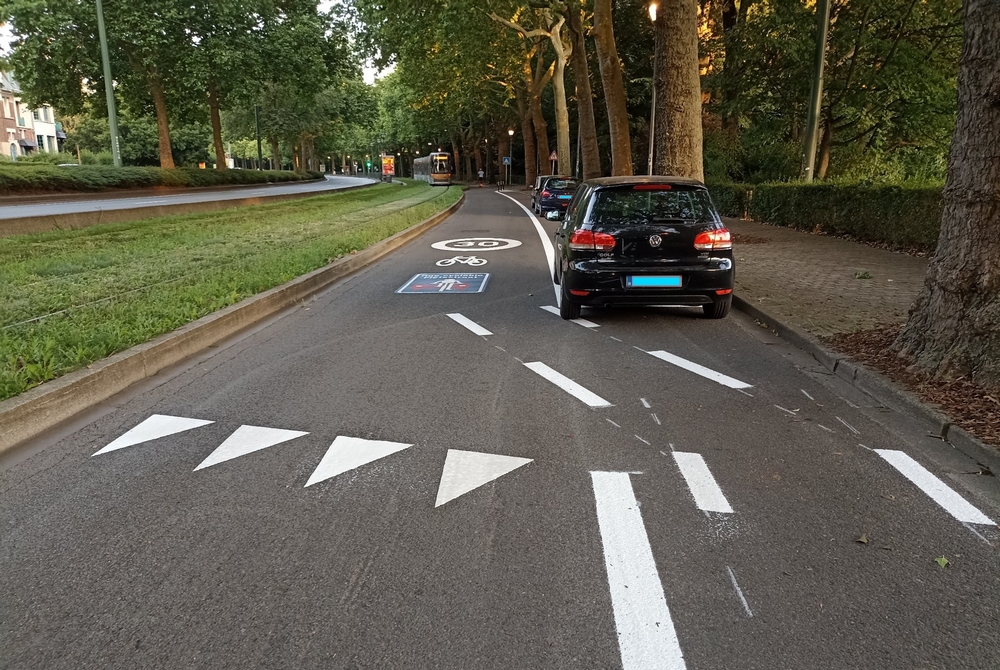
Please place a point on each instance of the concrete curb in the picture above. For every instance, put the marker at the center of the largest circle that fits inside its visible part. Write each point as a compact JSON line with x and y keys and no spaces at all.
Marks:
{"x":43,"y":407}
{"x":878,"y":387}
{"x":29,"y":225}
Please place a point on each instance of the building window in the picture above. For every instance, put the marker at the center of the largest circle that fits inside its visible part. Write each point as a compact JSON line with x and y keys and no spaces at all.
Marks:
{"x":36,"y":115}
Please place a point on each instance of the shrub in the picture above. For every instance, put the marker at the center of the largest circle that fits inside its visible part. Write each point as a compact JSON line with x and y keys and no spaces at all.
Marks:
{"x":39,"y":177}
{"x":900,"y":216}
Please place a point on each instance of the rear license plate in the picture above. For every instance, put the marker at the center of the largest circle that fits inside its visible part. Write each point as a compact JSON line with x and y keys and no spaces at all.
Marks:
{"x":565,"y":197}
{"x":654,"y":281}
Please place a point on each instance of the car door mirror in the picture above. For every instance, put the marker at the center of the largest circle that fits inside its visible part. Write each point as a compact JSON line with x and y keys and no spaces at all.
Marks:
{"x":553,"y":215}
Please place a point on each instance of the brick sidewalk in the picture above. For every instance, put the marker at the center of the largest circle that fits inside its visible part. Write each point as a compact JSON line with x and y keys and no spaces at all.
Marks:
{"x":810,"y":280}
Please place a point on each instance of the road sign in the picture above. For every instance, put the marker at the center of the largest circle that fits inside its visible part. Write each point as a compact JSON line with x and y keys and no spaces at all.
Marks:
{"x":553,"y":156}
{"x":506,"y":160}
{"x":476,"y":244}
{"x":446,"y":282}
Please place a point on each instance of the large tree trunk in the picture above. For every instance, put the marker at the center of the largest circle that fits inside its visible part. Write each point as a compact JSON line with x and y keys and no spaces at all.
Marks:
{"x":614,"y":88}
{"x":213,"y":108}
{"x":825,"y":144}
{"x":562,"y":112}
{"x":954,"y":324}
{"x":541,"y":159}
{"x":528,"y":133}
{"x":678,"y":137}
{"x":584,"y":95}
{"x":162,"y":122}
{"x":275,"y":153}
{"x":730,"y":79}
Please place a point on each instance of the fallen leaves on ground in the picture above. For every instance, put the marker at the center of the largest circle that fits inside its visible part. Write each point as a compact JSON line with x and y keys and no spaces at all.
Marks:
{"x":967,"y":404}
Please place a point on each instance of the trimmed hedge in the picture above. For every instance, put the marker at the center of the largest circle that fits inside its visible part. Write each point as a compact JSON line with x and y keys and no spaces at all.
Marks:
{"x":907,"y":217}
{"x":35,"y":178}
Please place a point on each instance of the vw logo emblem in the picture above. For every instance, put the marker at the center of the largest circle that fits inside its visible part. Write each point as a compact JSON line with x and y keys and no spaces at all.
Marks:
{"x":655,"y":240}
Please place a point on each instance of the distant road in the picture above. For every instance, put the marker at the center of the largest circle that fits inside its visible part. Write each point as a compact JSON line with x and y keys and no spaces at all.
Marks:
{"x":88,"y":203}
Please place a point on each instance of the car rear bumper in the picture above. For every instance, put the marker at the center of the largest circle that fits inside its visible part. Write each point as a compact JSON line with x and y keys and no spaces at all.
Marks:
{"x":700,"y":285}
{"x":551,"y":204}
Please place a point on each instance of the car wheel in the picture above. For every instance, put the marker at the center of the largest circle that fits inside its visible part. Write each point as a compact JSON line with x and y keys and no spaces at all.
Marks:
{"x":719,"y":308}
{"x":568,"y":310}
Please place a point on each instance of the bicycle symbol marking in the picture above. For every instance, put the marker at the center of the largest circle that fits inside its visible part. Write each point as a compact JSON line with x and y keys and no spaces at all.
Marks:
{"x":476,"y":244}
{"x":465,"y":260}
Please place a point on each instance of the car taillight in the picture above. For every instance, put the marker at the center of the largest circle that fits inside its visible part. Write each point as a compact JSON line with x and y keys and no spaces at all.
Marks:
{"x":713,"y":239}
{"x":546,"y":194}
{"x":588,"y":240}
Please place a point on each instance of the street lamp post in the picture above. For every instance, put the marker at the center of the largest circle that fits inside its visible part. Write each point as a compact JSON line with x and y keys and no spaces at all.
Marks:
{"x":816,"y":94}
{"x":109,"y":89}
{"x":652,"y":110}
{"x":260,"y":149}
{"x":510,"y":156}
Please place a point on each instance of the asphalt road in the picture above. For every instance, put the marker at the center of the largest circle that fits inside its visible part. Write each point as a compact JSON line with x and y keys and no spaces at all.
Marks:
{"x":671,"y":516}
{"x":92,"y":204}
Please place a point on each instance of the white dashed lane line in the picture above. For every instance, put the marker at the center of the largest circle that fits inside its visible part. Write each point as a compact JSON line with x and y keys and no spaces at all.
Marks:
{"x":701,"y":370}
{"x":566,"y":384}
{"x":579,"y":322}
{"x":646,"y":635}
{"x":707,"y":495}
{"x":470,"y":324}
{"x":938,"y":491}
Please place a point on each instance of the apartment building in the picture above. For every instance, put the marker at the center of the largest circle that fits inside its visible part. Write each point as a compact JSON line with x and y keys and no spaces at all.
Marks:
{"x":24,"y":130}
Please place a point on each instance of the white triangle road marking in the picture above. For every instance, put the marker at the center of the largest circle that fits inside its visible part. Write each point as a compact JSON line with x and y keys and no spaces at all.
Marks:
{"x":156,"y":426}
{"x":468,"y":470}
{"x":246,"y":440}
{"x":347,"y":453}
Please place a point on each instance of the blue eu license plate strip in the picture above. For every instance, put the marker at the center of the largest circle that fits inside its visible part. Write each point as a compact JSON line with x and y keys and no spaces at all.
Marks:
{"x":655,"y":281}
{"x":565,"y":197}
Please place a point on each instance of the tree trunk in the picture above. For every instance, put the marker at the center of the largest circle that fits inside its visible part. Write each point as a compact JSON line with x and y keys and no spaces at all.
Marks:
{"x":527,"y":132}
{"x":730,"y":78}
{"x":562,"y":113}
{"x":678,"y":137}
{"x":275,"y":153}
{"x":213,"y":108}
{"x":954,"y":324}
{"x":825,"y":144}
{"x":162,"y":123}
{"x":541,"y":158}
{"x":479,"y":157}
{"x":458,"y":157}
{"x":614,"y":88}
{"x":584,"y":96}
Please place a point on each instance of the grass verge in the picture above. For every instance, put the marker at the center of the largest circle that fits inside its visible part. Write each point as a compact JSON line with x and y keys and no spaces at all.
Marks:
{"x":69,"y":298}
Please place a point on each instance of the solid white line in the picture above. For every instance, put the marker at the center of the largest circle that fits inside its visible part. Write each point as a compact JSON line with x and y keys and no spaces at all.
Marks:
{"x":581,"y":322}
{"x":646,"y":635}
{"x":700,"y":370}
{"x":469,"y":323}
{"x":739,"y":592}
{"x":849,"y":426}
{"x":976,"y":533}
{"x":938,"y":491}
{"x":829,"y":430}
{"x":642,"y":440}
{"x":807,"y":395}
{"x":645,"y":403}
{"x":614,"y":338}
{"x":613,"y":423}
{"x":786,"y":410}
{"x":707,"y":494}
{"x":568,"y":385}
{"x":656,"y":419}
{"x":550,"y":252}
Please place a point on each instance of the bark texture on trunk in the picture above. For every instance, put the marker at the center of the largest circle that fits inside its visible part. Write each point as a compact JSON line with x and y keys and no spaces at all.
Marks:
{"x":825,"y":144}
{"x":213,"y":108}
{"x":457,"y":154}
{"x":614,"y":88}
{"x":528,"y":134}
{"x":162,"y":122}
{"x":954,"y":324}
{"x":591,"y":154}
{"x":541,"y":159}
{"x":678,"y":139}
{"x":275,"y":153}
{"x":562,"y":112}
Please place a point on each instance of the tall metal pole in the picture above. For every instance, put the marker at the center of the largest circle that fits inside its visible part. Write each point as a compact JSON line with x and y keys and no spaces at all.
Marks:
{"x":652,"y":109}
{"x":260,"y":150}
{"x":109,"y":89}
{"x":816,"y":94}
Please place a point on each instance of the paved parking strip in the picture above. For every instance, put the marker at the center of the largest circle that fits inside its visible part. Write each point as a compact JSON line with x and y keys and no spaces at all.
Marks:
{"x":462,"y":479}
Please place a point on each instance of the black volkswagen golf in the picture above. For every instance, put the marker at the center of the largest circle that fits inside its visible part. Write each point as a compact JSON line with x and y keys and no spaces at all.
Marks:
{"x":643,"y":241}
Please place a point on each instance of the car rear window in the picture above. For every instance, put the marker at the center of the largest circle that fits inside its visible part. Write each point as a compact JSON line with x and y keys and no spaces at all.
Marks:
{"x":628,"y":205}
{"x":562,"y":184}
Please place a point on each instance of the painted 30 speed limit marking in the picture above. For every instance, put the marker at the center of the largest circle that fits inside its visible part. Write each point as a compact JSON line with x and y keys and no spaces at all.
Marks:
{"x":476,"y":244}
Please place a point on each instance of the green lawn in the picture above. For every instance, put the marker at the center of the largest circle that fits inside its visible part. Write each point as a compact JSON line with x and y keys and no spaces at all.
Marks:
{"x":68,"y":298}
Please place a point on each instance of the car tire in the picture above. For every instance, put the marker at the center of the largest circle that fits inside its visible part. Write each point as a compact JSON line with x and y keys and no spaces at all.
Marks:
{"x":718,"y":309}
{"x":567,"y":309}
